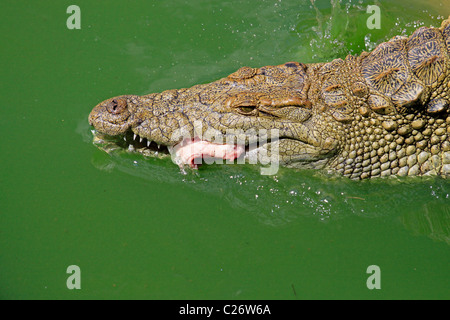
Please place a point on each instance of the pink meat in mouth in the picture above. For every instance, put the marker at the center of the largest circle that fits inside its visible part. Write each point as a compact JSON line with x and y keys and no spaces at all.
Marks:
{"x":191,"y":149}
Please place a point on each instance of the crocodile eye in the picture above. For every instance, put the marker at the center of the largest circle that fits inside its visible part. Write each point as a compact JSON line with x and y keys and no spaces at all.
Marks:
{"x":116,"y":106}
{"x":247,"y":110}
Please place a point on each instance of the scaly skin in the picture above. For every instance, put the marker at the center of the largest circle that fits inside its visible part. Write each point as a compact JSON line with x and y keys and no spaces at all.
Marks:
{"x":383,"y":113}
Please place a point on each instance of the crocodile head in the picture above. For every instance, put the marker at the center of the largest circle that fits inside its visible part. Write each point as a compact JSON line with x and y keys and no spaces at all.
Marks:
{"x":385,"y":112}
{"x":255,"y":114}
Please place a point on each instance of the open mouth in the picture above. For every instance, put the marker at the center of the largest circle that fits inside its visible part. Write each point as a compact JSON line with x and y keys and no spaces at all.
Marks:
{"x":130,"y":142}
{"x":192,"y":152}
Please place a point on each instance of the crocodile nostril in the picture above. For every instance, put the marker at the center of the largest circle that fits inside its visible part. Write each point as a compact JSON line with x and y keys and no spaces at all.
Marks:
{"x":116,"y":106}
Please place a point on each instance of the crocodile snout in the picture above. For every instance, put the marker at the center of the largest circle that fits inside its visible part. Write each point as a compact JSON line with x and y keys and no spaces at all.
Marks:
{"x":111,"y":116}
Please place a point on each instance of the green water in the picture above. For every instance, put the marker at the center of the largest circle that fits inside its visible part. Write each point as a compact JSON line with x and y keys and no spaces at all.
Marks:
{"x":139,"y":228}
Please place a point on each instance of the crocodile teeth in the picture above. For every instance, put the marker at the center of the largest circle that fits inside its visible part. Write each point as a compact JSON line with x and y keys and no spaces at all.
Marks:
{"x":134,"y":136}
{"x":159,"y":146}
{"x":125,"y":139}
{"x":140,"y":139}
{"x":148,"y":143}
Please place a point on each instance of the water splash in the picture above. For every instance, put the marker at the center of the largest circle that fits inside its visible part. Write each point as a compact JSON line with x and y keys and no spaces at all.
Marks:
{"x":338,"y":28}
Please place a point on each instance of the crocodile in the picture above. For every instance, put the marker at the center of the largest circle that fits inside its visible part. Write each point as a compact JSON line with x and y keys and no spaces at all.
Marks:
{"x":382,"y":113}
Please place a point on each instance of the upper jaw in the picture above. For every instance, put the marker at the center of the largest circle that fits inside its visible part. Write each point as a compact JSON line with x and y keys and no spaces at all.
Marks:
{"x":138,"y":129}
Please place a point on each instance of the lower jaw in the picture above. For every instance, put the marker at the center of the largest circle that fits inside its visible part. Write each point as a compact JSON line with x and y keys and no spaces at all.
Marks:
{"x":195,"y":152}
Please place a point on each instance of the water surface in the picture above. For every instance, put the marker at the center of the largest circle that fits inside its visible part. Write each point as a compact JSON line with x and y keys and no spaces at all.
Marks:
{"x":137,"y":227}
